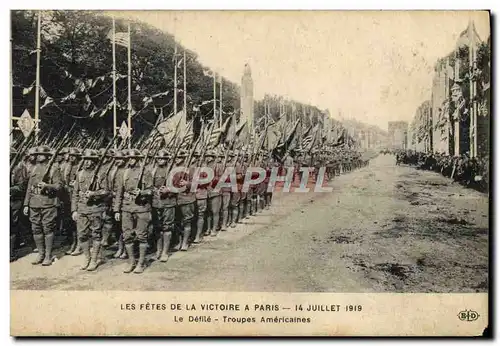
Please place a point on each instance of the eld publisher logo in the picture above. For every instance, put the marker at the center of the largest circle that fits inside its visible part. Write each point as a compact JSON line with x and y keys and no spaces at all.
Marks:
{"x":468,"y":315}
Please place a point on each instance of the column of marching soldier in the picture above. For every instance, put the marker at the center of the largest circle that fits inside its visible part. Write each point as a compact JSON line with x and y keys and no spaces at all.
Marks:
{"x":153,"y":216}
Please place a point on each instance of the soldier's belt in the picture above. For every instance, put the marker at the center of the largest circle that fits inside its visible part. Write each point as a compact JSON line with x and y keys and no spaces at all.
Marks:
{"x":36,"y":190}
{"x":129,"y":197}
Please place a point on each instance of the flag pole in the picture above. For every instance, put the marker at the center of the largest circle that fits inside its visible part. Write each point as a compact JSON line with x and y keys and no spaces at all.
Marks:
{"x":37,"y":87}
{"x":114,"y":81}
{"x":11,"y":95}
{"x":220,"y":100}
{"x":185,"y":83}
{"x":215,"y":99}
{"x":129,"y":89}
{"x":472,"y":91}
{"x":175,"y":79}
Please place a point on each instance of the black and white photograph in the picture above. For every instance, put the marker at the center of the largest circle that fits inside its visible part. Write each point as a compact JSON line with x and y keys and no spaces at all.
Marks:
{"x":250,"y":151}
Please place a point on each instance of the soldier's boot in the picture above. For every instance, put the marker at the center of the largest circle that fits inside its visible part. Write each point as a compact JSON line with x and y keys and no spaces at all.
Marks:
{"x":141,"y":265}
{"x":124,"y":254}
{"x":235,"y":213}
{"x":49,"y":242}
{"x":167,"y":236}
{"x":78,"y":248}
{"x":185,"y":236}
{"x":121,"y":248}
{"x":225,"y":219}
{"x":40,"y":246}
{"x":12,"y":244}
{"x":255,"y":206}
{"x":85,"y":245}
{"x":101,"y":258}
{"x":131,"y":258}
{"x":252,"y":203}
{"x":177,"y":246}
{"x":94,"y":259}
{"x":159,"y":245}
{"x":210,"y":225}
{"x":243,"y":210}
{"x":73,"y":243}
{"x":246,"y":209}
{"x":199,"y":229}
{"x":268,"y":201}
{"x":106,"y":232}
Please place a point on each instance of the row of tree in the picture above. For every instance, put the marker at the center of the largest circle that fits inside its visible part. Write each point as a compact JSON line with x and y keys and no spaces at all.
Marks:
{"x":76,"y":76}
{"x":435,"y":121}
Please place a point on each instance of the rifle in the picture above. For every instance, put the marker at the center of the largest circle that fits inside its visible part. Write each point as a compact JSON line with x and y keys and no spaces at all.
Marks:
{"x":93,"y":182}
{"x":144,"y":162}
{"x":263,"y":139}
{"x":46,"y":175}
{"x":155,"y":133}
{"x":22,"y":148}
{"x":54,"y":141}
{"x":204,"y":150}
{"x":171,"y":165}
{"x":191,"y":153}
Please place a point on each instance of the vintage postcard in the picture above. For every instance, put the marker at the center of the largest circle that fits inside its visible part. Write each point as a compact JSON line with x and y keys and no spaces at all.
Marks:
{"x":250,"y":173}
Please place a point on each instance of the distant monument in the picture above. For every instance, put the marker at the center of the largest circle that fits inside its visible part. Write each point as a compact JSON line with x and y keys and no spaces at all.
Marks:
{"x":246,"y":104}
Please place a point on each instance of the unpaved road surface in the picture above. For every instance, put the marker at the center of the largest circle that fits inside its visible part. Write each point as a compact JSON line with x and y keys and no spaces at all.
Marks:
{"x":384,"y":228}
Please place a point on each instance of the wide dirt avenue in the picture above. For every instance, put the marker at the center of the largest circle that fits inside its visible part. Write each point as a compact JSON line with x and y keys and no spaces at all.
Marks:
{"x":384,"y":228}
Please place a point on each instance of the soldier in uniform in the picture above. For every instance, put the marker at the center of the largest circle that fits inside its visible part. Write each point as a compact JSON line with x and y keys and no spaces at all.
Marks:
{"x":18,"y":182}
{"x":269,"y":190}
{"x":88,"y":205}
{"x":132,"y":206}
{"x":186,"y":199}
{"x":214,"y":195}
{"x":41,"y":203}
{"x":262,"y":187}
{"x":164,"y":203}
{"x":108,"y":219}
{"x":201,"y":202}
{"x":226,"y":198}
{"x":252,"y":193}
{"x":60,"y":161}
{"x":115,"y":176}
{"x":235,"y":195}
{"x":30,"y":159}
{"x":244,"y":202}
{"x":69,"y":177}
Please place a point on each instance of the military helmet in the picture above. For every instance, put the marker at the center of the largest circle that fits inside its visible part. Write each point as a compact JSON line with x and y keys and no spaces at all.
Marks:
{"x":101,"y":151}
{"x":64,"y":151}
{"x":120,"y":154}
{"x":134,"y":153}
{"x":231,"y":153}
{"x":111,"y":153}
{"x":31,"y":151}
{"x":90,"y":154}
{"x":74,"y":152}
{"x":43,"y":150}
{"x":147,"y":153}
{"x":163,"y":154}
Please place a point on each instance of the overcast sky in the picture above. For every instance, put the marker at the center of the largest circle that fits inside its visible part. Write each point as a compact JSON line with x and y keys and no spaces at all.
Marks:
{"x":372,"y":66}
